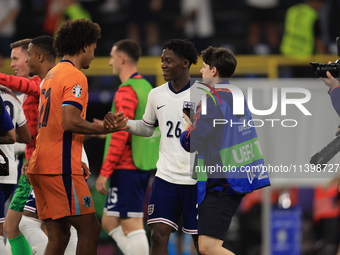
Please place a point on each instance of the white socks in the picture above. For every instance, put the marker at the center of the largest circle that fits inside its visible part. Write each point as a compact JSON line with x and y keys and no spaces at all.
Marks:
{"x":138,"y":243}
{"x":8,"y":248}
{"x":117,"y":234}
{"x":2,"y":246}
{"x":72,"y":244}
{"x":31,"y":229}
{"x":135,"y":243}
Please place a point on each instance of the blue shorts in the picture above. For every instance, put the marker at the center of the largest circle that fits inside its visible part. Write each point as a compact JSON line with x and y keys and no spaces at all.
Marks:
{"x":30,"y":203}
{"x":169,"y":201}
{"x":125,"y":197}
{"x":5,"y":192}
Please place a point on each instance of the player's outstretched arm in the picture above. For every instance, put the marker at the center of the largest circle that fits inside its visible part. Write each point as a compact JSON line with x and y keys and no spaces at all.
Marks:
{"x":134,"y":127}
{"x":21,"y":84}
{"x":73,"y":122}
{"x":100,"y":122}
{"x":138,"y":127}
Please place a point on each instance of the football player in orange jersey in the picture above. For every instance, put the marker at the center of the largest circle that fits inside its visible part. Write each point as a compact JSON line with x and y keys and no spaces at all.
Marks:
{"x":40,"y":59}
{"x":62,"y":195}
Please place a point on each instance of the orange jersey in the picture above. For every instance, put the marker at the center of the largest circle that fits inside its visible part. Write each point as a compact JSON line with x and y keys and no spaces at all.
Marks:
{"x":58,"y":151}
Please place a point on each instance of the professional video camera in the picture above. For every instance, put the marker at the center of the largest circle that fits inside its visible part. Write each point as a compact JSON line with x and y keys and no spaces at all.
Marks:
{"x":328,"y":152}
{"x":319,"y":70}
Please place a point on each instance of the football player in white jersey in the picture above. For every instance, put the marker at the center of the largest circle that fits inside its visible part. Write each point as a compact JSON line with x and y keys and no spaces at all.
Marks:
{"x":7,"y":183}
{"x":173,"y":191}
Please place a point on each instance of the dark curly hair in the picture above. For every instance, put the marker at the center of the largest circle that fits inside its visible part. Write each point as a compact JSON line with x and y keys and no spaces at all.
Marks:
{"x":73,"y":36}
{"x":183,"y":49}
{"x":222,"y":59}
{"x":44,"y":44}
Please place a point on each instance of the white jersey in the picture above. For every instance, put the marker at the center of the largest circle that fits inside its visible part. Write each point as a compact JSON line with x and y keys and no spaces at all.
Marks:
{"x":166,"y":107}
{"x":14,"y":109}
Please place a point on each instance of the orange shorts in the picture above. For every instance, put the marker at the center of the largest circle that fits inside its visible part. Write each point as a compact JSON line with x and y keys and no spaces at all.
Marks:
{"x":58,"y":196}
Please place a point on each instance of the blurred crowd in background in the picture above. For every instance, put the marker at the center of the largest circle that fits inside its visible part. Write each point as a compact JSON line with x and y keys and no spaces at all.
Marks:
{"x":244,"y":26}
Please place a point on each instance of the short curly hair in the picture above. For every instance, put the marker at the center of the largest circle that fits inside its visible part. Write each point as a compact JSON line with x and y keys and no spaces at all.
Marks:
{"x":183,"y":49}
{"x":73,"y":36}
{"x":222,"y":59}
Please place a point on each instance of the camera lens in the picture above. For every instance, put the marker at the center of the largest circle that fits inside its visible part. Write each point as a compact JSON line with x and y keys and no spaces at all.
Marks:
{"x":327,"y":153}
{"x":319,"y":70}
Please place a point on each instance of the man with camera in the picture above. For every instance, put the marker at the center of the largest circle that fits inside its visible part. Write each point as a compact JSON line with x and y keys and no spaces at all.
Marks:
{"x":334,"y":92}
{"x":325,"y":209}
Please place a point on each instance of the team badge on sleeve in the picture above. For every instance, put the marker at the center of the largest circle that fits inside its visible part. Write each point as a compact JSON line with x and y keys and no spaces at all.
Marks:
{"x":77,"y":90}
